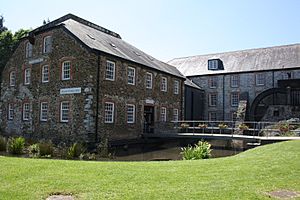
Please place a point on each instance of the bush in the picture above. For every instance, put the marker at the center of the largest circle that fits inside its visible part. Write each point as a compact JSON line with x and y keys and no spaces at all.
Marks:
{"x":16,"y":145}
{"x":199,"y":151}
{"x":46,"y":149}
{"x":74,"y":151}
{"x":34,"y":151}
{"x":2,"y":143}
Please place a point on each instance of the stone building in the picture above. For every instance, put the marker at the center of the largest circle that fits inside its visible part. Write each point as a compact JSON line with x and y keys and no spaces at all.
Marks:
{"x":72,"y":80}
{"x":258,"y":76}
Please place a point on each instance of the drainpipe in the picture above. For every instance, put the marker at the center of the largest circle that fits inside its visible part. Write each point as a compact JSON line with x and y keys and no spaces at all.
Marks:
{"x":223,"y":97}
{"x":97,"y":97}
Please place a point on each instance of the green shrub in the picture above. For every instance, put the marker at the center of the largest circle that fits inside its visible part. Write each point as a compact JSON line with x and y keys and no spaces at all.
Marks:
{"x":2,"y":143}
{"x":16,"y":145}
{"x":34,"y":151}
{"x":46,"y":149}
{"x":199,"y":151}
{"x":74,"y":151}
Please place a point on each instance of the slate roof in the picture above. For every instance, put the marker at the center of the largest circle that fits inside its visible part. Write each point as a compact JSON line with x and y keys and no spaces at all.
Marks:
{"x":271,"y":58}
{"x":104,"y":40}
{"x":190,"y":83}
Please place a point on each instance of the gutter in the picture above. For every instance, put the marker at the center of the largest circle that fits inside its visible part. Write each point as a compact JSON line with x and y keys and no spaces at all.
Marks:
{"x":97,"y":96}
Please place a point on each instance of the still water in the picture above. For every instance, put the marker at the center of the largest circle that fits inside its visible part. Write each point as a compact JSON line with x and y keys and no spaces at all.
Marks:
{"x":168,"y":150}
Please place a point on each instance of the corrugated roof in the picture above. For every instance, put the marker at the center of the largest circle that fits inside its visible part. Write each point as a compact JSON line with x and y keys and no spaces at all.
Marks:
{"x":271,"y":58}
{"x":99,"y":38}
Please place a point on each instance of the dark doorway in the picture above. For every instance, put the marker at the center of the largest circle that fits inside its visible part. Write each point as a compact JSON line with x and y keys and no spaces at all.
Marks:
{"x":148,"y":119}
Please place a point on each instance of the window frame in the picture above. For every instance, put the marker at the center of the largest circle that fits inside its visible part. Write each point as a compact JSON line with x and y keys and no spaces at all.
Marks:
{"x":25,"y":111}
{"x":12,"y":84}
{"x":41,"y":111}
{"x":130,"y":77}
{"x":235,"y":81}
{"x":131,"y":113}
{"x":212,"y":64}
{"x":43,"y":74}
{"x":210,"y":100}
{"x":213,"y":82}
{"x":28,"y":50}
{"x":234,"y":99}
{"x":111,"y":112}
{"x":210,"y":116}
{"x":11,"y":111}
{"x":61,"y":112}
{"x":164,"y":84}
{"x":27,"y":76}
{"x":46,"y":46}
{"x":163,"y":114}
{"x":108,"y":62}
{"x":150,"y":81}
{"x":175,"y":114}
{"x":258,"y":79}
{"x":176,"y":87}
{"x":63,"y":71}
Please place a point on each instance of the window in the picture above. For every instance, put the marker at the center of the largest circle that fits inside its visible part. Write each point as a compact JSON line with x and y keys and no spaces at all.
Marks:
{"x":260,"y":79}
{"x":47,"y":44}
{"x":213,"y":82}
{"x":235,"y":79}
{"x":44,"y":111}
{"x":110,"y":71}
{"x":164,"y":84}
{"x":130,"y":113}
{"x":131,"y":76}
{"x":26,"y":111}
{"x":27,"y":76}
{"x":212,"y":99}
{"x":66,"y":71}
{"x":149,"y":80}
{"x":175,"y":114}
{"x":109,"y":112}
{"x":64,"y":111}
{"x":212,"y":116}
{"x":176,"y":87}
{"x":45,"y":74}
{"x":12,"y":78}
{"x":212,"y":64}
{"x":28,"y":50}
{"x":234,"y":99}
{"x":10,"y":111}
{"x":163,"y":114}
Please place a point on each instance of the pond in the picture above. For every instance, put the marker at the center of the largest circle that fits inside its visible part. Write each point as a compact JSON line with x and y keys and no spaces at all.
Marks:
{"x":159,"y":150}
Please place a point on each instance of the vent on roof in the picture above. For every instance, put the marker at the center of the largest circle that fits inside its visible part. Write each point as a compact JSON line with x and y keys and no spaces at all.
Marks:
{"x":137,"y":53}
{"x":90,"y":37}
{"x":113,"y":45}
{"x":151,"y":58}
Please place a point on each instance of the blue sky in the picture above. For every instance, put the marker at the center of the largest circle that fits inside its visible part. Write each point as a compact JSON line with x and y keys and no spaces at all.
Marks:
{"x":167,"y":29}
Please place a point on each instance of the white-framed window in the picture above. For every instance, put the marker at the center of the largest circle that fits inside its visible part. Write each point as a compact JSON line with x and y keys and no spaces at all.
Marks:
{"x":212,"y":64}
{"x":10,"y":111}
{"x":44,"y":111}
{"x":66,"y":70}
{"x":175,"y":114}
{"x":176,"y":87}
{"x":212,"y":116}
{"x":110,"y":70}
{"x":212,"y":99}
{"x":260,"y":79}
{"x":235,"y":99}
{"x":109,"y":109}
{"x":64,"y":111}
{"x":164,"y":84}
{"x":27,"y":76}
{"x":28,"y":50}
{"x":163,"y":114}
{"x":235,"y":80}
{"x":213,"y":82}
{"x":149,"y":80}
{"x":45,"y":74}
{"x":131,"y":76}
{"x":26,"y":111}
{"x":12,"y":78}
{"x":47,"y":47}
{"x":130,"y":113}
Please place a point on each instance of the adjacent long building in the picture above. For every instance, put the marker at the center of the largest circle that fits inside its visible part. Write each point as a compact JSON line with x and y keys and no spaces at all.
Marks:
{"x":267,"y":78}
{"x":72,"y":80}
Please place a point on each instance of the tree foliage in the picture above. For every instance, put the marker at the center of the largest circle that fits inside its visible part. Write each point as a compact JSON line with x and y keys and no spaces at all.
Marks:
{"x":8,"y":43}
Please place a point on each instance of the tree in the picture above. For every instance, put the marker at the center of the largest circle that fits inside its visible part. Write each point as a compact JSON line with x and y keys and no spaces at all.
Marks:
{"x":8,"y":43}
{"x":2,"y":28}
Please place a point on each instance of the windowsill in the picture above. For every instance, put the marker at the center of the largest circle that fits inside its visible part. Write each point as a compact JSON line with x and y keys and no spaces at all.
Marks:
{"x":109,"y":79}
{"x":64,"y":122}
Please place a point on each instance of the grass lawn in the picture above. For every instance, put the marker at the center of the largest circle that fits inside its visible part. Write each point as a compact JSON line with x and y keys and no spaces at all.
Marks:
{"x":248,"y":175}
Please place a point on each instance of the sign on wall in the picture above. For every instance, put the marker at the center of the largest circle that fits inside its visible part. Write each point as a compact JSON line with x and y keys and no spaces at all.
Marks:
{"x":35,"y":61}
{"x":70,"y":90}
